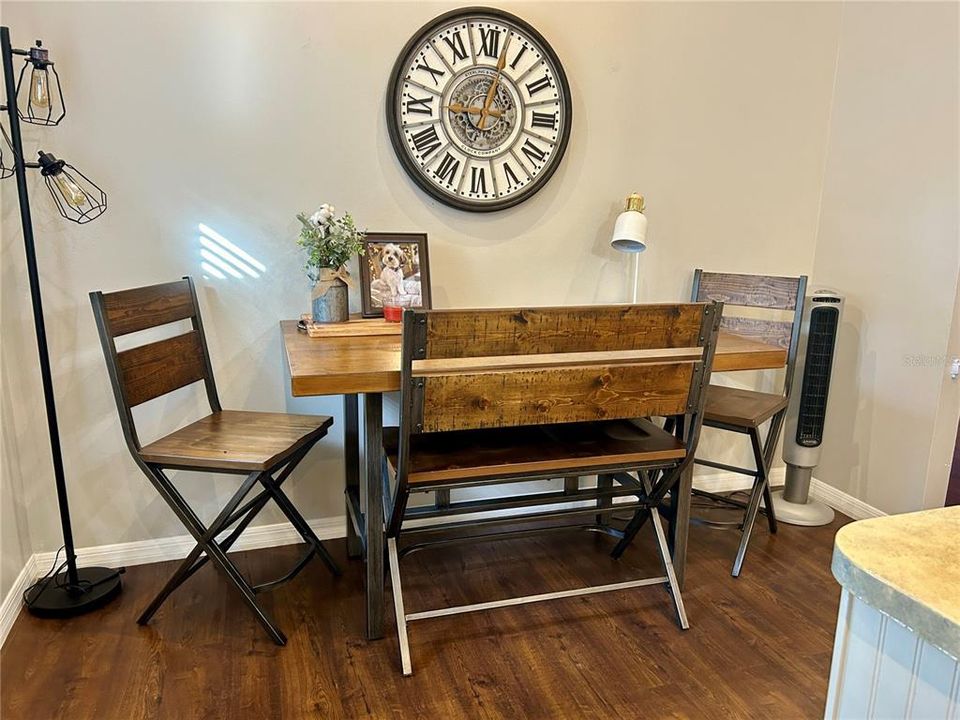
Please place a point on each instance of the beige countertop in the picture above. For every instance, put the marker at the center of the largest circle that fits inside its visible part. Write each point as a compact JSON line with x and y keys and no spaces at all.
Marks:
{"x":907,"y":566}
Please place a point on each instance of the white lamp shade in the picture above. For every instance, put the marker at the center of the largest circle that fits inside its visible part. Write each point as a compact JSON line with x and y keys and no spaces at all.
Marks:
{"x":630,"y":232}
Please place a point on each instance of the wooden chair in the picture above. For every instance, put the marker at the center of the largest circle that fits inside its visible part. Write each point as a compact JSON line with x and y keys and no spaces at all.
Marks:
{"x":264,"y":447}
{"x":496,"y":396}
{"x":745,"y":411}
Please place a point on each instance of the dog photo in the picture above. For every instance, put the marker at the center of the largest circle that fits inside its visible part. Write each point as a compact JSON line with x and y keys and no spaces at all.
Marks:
{"x":394,"y":270}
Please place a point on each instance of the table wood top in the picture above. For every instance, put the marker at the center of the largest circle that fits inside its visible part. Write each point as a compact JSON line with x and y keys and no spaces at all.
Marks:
{"x":349,"y":365}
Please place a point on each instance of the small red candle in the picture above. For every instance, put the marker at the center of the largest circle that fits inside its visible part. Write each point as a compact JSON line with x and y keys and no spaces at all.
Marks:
{"x":392,"y":313}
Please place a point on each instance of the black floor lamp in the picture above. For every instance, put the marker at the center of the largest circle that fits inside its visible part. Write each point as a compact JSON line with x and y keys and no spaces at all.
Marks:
{"x":39,"y":101}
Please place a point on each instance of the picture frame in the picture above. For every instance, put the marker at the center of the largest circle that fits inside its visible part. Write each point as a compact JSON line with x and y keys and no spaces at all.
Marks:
{"x":399,"y":275}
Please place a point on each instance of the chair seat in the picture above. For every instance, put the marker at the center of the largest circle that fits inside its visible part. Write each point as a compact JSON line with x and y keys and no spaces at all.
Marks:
{"x":743,"y":408}
{"x":515,"y":452}
{"x":237,"y":440}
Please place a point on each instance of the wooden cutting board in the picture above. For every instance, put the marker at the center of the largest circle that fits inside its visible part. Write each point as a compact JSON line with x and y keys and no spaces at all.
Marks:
{"x":356,"y":326}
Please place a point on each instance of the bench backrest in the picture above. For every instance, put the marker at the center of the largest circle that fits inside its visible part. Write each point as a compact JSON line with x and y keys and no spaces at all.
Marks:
{"x":502,"y":368}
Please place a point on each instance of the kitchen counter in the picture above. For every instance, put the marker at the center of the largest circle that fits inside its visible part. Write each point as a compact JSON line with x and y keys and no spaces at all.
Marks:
{"x":898,"y":630}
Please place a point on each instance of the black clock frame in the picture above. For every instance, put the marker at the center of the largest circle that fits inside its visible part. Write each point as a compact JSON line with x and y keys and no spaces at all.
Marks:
{"x":397,"y":76}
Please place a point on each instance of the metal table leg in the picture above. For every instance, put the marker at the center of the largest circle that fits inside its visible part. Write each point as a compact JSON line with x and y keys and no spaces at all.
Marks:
{"x":373,"y":525}
{"x":681,"y":500}
{"x":351,"y":453}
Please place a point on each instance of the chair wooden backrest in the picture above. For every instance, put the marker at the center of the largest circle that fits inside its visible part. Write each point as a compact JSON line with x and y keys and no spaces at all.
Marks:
{"x":767,"y":292}
{"x":501,"y":368}
{"x":148,"y":371}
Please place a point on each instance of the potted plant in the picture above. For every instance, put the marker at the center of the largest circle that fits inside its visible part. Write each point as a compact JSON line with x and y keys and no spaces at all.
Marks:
{"x":330,"y":242}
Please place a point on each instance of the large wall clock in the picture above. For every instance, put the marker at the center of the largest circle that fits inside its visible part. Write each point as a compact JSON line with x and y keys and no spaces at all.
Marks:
{"x":478,"y":109}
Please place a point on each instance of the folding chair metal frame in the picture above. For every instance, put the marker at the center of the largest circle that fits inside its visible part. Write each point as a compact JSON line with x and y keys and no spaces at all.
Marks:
{"x":209,"y":547}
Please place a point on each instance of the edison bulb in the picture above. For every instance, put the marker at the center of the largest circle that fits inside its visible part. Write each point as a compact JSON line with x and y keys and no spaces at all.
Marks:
{"x":40,"y":88}
{"x":72,"y":193}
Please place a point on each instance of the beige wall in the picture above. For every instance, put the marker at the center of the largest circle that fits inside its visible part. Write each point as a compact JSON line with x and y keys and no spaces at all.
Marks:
{"x":889,"y":240}
{"x":239,"y":115}
{"x":15,"y":544}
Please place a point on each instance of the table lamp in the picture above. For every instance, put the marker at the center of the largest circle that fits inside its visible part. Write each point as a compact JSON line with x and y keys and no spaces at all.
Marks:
{"x":630,"y":234}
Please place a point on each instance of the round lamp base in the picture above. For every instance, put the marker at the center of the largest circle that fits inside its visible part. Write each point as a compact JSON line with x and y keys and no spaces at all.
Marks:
{"x":50,"y":600}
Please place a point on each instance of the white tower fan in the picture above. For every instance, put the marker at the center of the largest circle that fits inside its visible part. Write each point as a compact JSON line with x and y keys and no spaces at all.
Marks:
{"x":806,"y":413}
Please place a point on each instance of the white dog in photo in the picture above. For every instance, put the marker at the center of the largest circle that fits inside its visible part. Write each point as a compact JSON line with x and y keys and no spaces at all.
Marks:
{"x":392,"y":258}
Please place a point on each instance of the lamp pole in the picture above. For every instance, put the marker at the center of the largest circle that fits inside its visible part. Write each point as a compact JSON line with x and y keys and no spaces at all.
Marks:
{"x":93,"y":587}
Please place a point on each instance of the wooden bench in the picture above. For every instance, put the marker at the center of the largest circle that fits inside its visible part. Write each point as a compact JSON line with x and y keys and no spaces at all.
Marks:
{"x":497,"y":396}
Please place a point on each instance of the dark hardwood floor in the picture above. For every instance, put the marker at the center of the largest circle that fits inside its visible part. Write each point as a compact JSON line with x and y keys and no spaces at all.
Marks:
{"x":759,"y":646}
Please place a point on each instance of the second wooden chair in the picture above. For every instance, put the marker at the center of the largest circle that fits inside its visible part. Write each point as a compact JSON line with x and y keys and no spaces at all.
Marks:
{"x":745,"y":411}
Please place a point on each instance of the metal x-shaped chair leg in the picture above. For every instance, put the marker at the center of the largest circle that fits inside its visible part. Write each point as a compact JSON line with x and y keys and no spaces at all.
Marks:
{"x":212,"y":550}
{"x":296,"y":519}
{"x":668,"y":480}
{"x":194,"y":561}
{"x":216,"y":554}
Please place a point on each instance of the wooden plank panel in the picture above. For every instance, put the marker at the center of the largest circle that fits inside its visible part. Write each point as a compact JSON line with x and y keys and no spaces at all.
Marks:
{"x":141,"y":308}
{"x":521,"y":331}
{"x":771,"y":332}
{"x":499,"y":453}
{"x":765,"y":291}
{"x":534,"y":467}
{"x":152,"y":370}
{"x":444,"y":366}
{"x":559,"y":395}
{"x":237,"y":440}
{"x":739,"y":353}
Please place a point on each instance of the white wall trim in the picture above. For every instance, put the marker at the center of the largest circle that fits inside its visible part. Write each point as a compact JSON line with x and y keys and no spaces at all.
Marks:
{"x":10,"y":608}
{"x":141,"y":552}
{"x":842,"y":502}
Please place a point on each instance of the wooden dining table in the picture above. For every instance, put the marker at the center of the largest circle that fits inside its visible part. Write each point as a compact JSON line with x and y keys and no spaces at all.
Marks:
{"x":370,"y":366}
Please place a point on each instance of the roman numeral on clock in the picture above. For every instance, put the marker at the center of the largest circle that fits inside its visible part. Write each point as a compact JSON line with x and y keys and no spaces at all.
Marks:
{"x":448,"y":168}
{"x":490,"y":42}
{"x":544,"y":120}
{"x":534,"y":152}
{"x":512,"y":178}
{"x":541,"y":84}
{"x":424,"y":106}
{"x":513,"y":65}
{"x":426,"y":141}
{"x":434,"y":74}
{"x":455,"y":42}
{"x":478,"y":180}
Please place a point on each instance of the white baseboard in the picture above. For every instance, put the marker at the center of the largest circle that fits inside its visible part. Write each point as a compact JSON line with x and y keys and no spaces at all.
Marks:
{"x":842,"y":502}
{"x":837,"y":499}
{"x":141,"y":552}
{"x":12,"y":603}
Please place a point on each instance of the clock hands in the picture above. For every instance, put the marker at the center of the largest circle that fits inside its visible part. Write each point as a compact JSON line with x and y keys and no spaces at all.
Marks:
{"x":473,"y":110}
{"x":501,"y":63}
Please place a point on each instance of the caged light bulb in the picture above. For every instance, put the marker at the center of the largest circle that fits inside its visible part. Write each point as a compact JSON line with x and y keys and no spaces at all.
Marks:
{"x":40,"y":88}
{"x":72,"y":193}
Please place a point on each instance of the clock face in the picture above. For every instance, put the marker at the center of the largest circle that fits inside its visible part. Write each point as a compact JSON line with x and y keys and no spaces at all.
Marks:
{"x":479,"y":109}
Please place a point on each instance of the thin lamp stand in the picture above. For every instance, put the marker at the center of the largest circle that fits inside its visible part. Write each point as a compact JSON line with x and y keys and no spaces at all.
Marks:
{"x":75,"y":591}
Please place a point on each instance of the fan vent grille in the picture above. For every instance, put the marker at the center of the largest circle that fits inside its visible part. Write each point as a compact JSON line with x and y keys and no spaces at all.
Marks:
{"x":816,"y":375}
